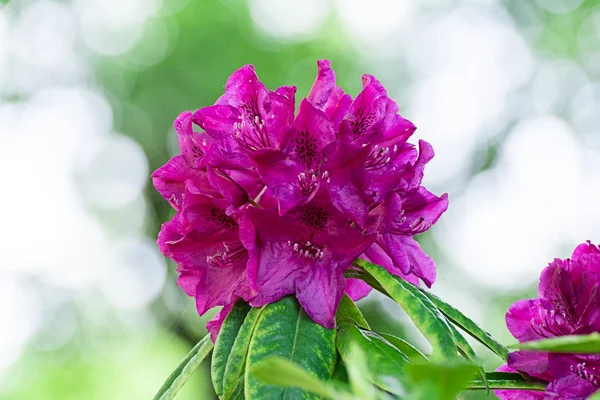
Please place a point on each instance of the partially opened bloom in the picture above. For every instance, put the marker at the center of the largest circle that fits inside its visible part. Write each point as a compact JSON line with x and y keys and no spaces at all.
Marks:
{"x":270,"y":204}
{"x":568,"y":304}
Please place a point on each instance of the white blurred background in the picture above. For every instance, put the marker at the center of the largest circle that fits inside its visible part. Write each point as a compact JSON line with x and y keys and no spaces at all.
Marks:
{"x":508,"y":93}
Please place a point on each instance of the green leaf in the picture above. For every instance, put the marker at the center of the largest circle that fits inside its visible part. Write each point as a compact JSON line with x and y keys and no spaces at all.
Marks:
{"x":348,"y":312}
{"x":405,"y":348}
{"x":442,"y":381}
{"x":385,"y":363}
{"x":467,"y":325}
{"x":340,"y":373}
{"x":223,"y":346}
{"x":463,"y":346}
{"x":505,"y":376}
{"x":283,"y":329}
{"x":238,"y":391}
{"x":419,"y":308}
{"x":506,"y":380}
{"x":278,"y":371}
{"x":184,"y":370}
{"x":358,"y":373}
{"x":465,"y":350}
{"x":236,"y":361}
{"x":583,"y":344}
{"x":495,"y":384}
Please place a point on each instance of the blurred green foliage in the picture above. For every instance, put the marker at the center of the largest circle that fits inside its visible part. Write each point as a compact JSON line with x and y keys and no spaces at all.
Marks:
{"x":126,"y":369}
{"x":211,"y":40}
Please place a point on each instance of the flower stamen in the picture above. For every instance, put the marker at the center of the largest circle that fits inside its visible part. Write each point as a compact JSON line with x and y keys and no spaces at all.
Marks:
{"x":380,"y":157}
{"x":232,"y":253}
{"x":307,"y":181}
{"x":307,"y":250}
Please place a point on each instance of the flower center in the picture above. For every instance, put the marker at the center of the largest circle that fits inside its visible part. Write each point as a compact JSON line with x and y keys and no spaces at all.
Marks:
{"x":307,"y":250}
{"x":583,"y":371}
{"x":218,"y":217}
{"x":403,"y":226}
{"x":307,"y":181}
{"x":315,"y":217}
{"x":308,"y":153}
{"x":231,"y":254}
{"x":251,"y":133}
{"x":380,"y":157}
{"x":554,"y":322}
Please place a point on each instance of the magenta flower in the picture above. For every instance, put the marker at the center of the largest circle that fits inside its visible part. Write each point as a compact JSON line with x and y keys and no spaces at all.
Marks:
{"x":375,"y":174}
{"x":370,"y":154}
{"x":271,"y":204}
{"x":248,"y":117}
{"x":170,"y":179}
{"x":303,"y":253}
{"x":294,"y":173}
{"x":568,"y":304}
{"x":407,"y":213}
{"x":204,"y":242}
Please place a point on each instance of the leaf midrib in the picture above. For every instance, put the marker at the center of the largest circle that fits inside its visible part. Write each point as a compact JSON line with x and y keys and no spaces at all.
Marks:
{"x":294,"y":344}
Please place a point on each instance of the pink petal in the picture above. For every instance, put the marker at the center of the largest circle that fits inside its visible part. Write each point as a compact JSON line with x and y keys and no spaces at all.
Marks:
{"x":320,"y":291}
{"x":357,"y":289}
{"x":520,"y":319}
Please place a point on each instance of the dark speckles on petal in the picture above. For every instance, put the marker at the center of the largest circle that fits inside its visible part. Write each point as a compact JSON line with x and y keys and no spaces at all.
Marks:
{"x":307,"y":149}
{"x":363,"y":122}
{"x":218,"y":217}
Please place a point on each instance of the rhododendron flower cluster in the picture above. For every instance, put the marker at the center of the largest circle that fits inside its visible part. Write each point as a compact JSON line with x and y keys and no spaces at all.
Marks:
{"x":568,"y":304}
{"x":269,"y":203}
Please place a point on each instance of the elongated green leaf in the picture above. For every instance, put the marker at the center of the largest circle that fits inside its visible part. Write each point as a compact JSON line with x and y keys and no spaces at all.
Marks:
{"x":505,"y":376}
{"x":467,"y":325}
{"x":405,"y":348}
{"x":184,"y":370}
{"x":506,"y":380}
{"x":465,"y":350}
{"x":385,"y":363}
{"x":419,"y":308}
{"x":236,"y":361}
{"x":283,"y":329}
{"x":505,"y":384}
{"x":227,"y":334}
{"x":358,"y":372}
{"x":279,"y":371}
{"x":583,"y":344}
{"x":348,"y":312}
{"x":463,"y":346}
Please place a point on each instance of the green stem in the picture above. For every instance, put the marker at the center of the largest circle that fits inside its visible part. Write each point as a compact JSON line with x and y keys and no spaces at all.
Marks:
{"x":506,"y":385}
